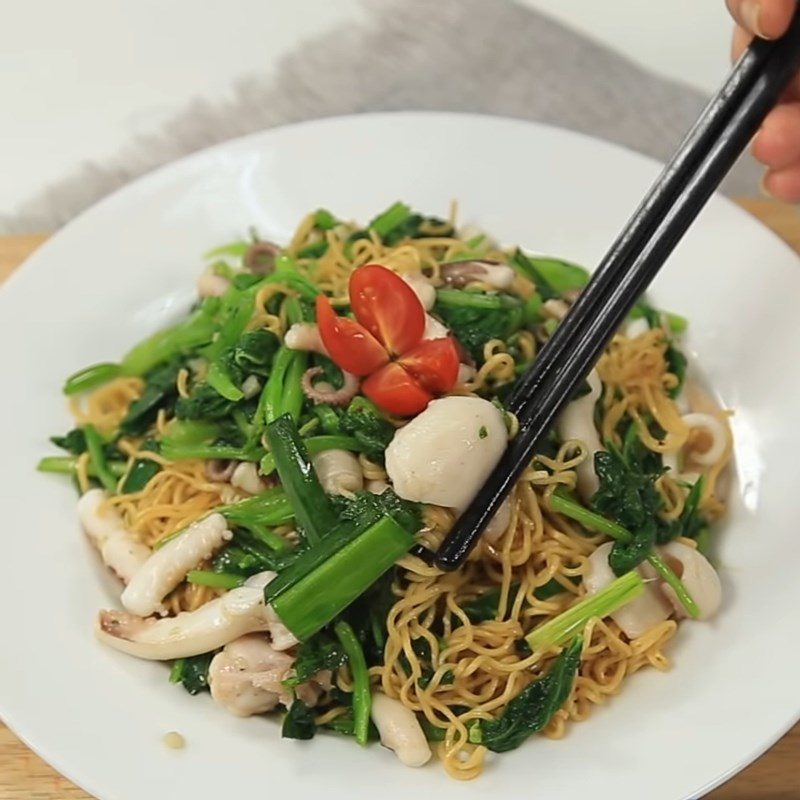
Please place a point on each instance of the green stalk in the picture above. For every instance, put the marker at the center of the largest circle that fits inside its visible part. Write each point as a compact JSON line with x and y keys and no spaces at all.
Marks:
{"x":598,"y":523}
{"x":270,"y":508}
{"x":68,"y":465}
{"x":269,"y":403}
{"x":238,"y":307}
{"x":458,"y":298}
{"x":672,"y":580}
{"x":312,"y":508}
{"x":314,"y":601}
{"x":94,"y":444}
{"x":396,"y":214}
{"x":314,"y":445}
{"x":562,"y":628}
{"x":216,"y":580}
{"x":90,"y":377}
{"x":173,"y":452}
{"x":362,"y":697}
{"x":293,"y":397}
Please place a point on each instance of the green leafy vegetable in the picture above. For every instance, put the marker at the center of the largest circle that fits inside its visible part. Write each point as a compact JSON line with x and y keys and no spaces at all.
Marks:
{"x":299,"y":722}
{"x":477,"y":317}
{"x":142,"y":471}
{"x":94,"y":444}
{"x":368,"y":506}
{"x":159,"y":392}
{"x":192,"y":672}
{"x":364,"y":422}
{"x":203,"y":403}
{"x":551,"y":276}
{"x":531,"y":710}
{"x":317,"y":653}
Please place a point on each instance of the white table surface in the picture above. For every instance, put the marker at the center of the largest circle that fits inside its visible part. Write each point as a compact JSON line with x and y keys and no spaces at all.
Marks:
{"x":79,"y":79}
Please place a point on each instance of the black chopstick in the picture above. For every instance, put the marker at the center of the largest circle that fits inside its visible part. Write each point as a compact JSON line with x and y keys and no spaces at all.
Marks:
{"x":691,"y":151}
{"x":635,"y":258}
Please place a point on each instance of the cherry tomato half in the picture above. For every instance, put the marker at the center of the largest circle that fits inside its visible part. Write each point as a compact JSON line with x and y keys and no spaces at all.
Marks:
{"x":387,"y":307}
{"x":395,"y":390}
{"x":434,"y":363}
{"x":350,"y":345}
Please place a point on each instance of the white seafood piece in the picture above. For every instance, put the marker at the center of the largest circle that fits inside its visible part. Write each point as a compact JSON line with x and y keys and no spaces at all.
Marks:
{"x":636,"y":327}
{"x":376,"y":486}
{"x":698,"y":576}
{"x":251,"y":386}
{"x":400,"y":730}
{"x":555,"y":308}
{"x":422,"y":287}
{"x":245,"y":678}
{"x":210,"y":284}
{"x":305,"y":336}
{"x":338,"y":471}
{"x":499,"y":523}
{"x":444,"y":455}
{"x":246,"y":478}
{"x":168,"y":565}
{"x":190,"y":633}
{"x":636,"y":617}
{"x":119,"y":548}
{"x":715,"y":430}
{"x":460,"y":273}
{"x":434,"y":329}
{"x":577,"y":423}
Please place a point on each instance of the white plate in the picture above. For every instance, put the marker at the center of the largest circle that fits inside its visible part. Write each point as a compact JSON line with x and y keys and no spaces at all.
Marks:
{"x":128,"y":264}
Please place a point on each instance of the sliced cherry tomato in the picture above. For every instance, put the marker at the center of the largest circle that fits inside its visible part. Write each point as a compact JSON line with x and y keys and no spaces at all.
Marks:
{"x":396,"y":391}
{"x":434,"y":363}
{"x":350,"y":345}
{"x":387,"y":307}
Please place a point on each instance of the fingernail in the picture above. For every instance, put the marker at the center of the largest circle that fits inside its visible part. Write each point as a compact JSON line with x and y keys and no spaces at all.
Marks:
{"x":751,"y":16}
{"x":763,"y":187}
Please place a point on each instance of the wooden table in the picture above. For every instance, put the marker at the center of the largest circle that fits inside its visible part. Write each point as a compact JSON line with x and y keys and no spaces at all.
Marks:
{"x":775,"y":776}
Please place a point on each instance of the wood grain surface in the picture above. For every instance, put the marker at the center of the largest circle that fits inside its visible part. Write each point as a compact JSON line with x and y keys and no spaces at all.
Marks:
{"x":775,"y":776}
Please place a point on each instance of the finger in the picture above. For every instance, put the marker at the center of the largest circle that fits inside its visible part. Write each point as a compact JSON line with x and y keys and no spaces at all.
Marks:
{"x":768,"y":19}
{"x":741,"y":38}
{"x":783,"y":184}
{"x":777,"y":144}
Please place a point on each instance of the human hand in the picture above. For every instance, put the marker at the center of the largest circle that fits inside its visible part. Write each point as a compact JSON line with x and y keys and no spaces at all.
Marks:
{"x":777,"y":144}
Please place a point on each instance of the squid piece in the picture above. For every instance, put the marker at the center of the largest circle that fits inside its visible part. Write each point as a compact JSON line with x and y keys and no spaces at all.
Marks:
{"x":422,"y":287}
{"x":305,"y":336}
{"x":699,"y":577}
{"x":638,"y":616}
{"x":400,"y":730}
{"x":119,"y":548}
{"x":460,"y":273}
{"x":338,"y":471}
{"x":167,"y":567}
{"x":190,"y":633}
{"x":577,"y":423}
{"x":444,"y":455}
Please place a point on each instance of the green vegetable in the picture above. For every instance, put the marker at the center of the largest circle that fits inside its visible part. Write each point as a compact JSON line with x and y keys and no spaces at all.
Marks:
{"x":314,"y":445}
{"x":216,"y":580}
{"x":68,"y":465}
{"x":477,"y":317}
{"x":312,"y":508}
{"x":308,"y":604}
{"x":324,"y":220}
{"x":394,"y":216}
{"x":562,"y":504}
{"x":94,"y":444}
{"x":203,"y":403}
{"x":368,"y":506}
{"x":677,"y":366}
{"x":314,"y":250}
{"x":317,"y":653}
{"x":142,"y":471}
{"x":73,"y":442}
{"x":562,"y":628}
{"x":364,"y":422}
{"x":270,"y":508}
{"x":254,"y":352}
{"x":192,"y":672}
{"x":484,"y":608}
{"x":552,"y":276}
{"x":362,"y":698}
{"x":237,"y":308}
{"x":531,"y":710}
{"x":159,"y":392}
{"x":90,"y":377}
{"x":675,"y":322}
{"x":289,"y":365}
{"x":299,"y":722}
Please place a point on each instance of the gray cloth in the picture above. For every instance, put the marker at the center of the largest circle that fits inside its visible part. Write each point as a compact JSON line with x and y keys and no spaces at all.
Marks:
{"x":487,"y":56}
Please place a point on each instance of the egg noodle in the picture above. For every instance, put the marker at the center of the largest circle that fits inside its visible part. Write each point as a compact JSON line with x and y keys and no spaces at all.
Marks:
{"x":477,"y":667}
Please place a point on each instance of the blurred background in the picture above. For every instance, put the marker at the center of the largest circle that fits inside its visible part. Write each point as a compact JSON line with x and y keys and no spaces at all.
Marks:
{"x":80,"y":80}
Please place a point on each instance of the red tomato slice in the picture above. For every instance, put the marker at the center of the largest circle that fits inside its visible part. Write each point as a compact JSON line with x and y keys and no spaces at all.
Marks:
{"x":387,"y":307}
{"x":350,"y":346}
{"x":396,"y":391}
{"x":434,"y":363}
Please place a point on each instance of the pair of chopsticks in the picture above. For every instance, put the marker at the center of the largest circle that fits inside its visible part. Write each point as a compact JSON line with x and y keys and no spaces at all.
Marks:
{"x":705,"y":156}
